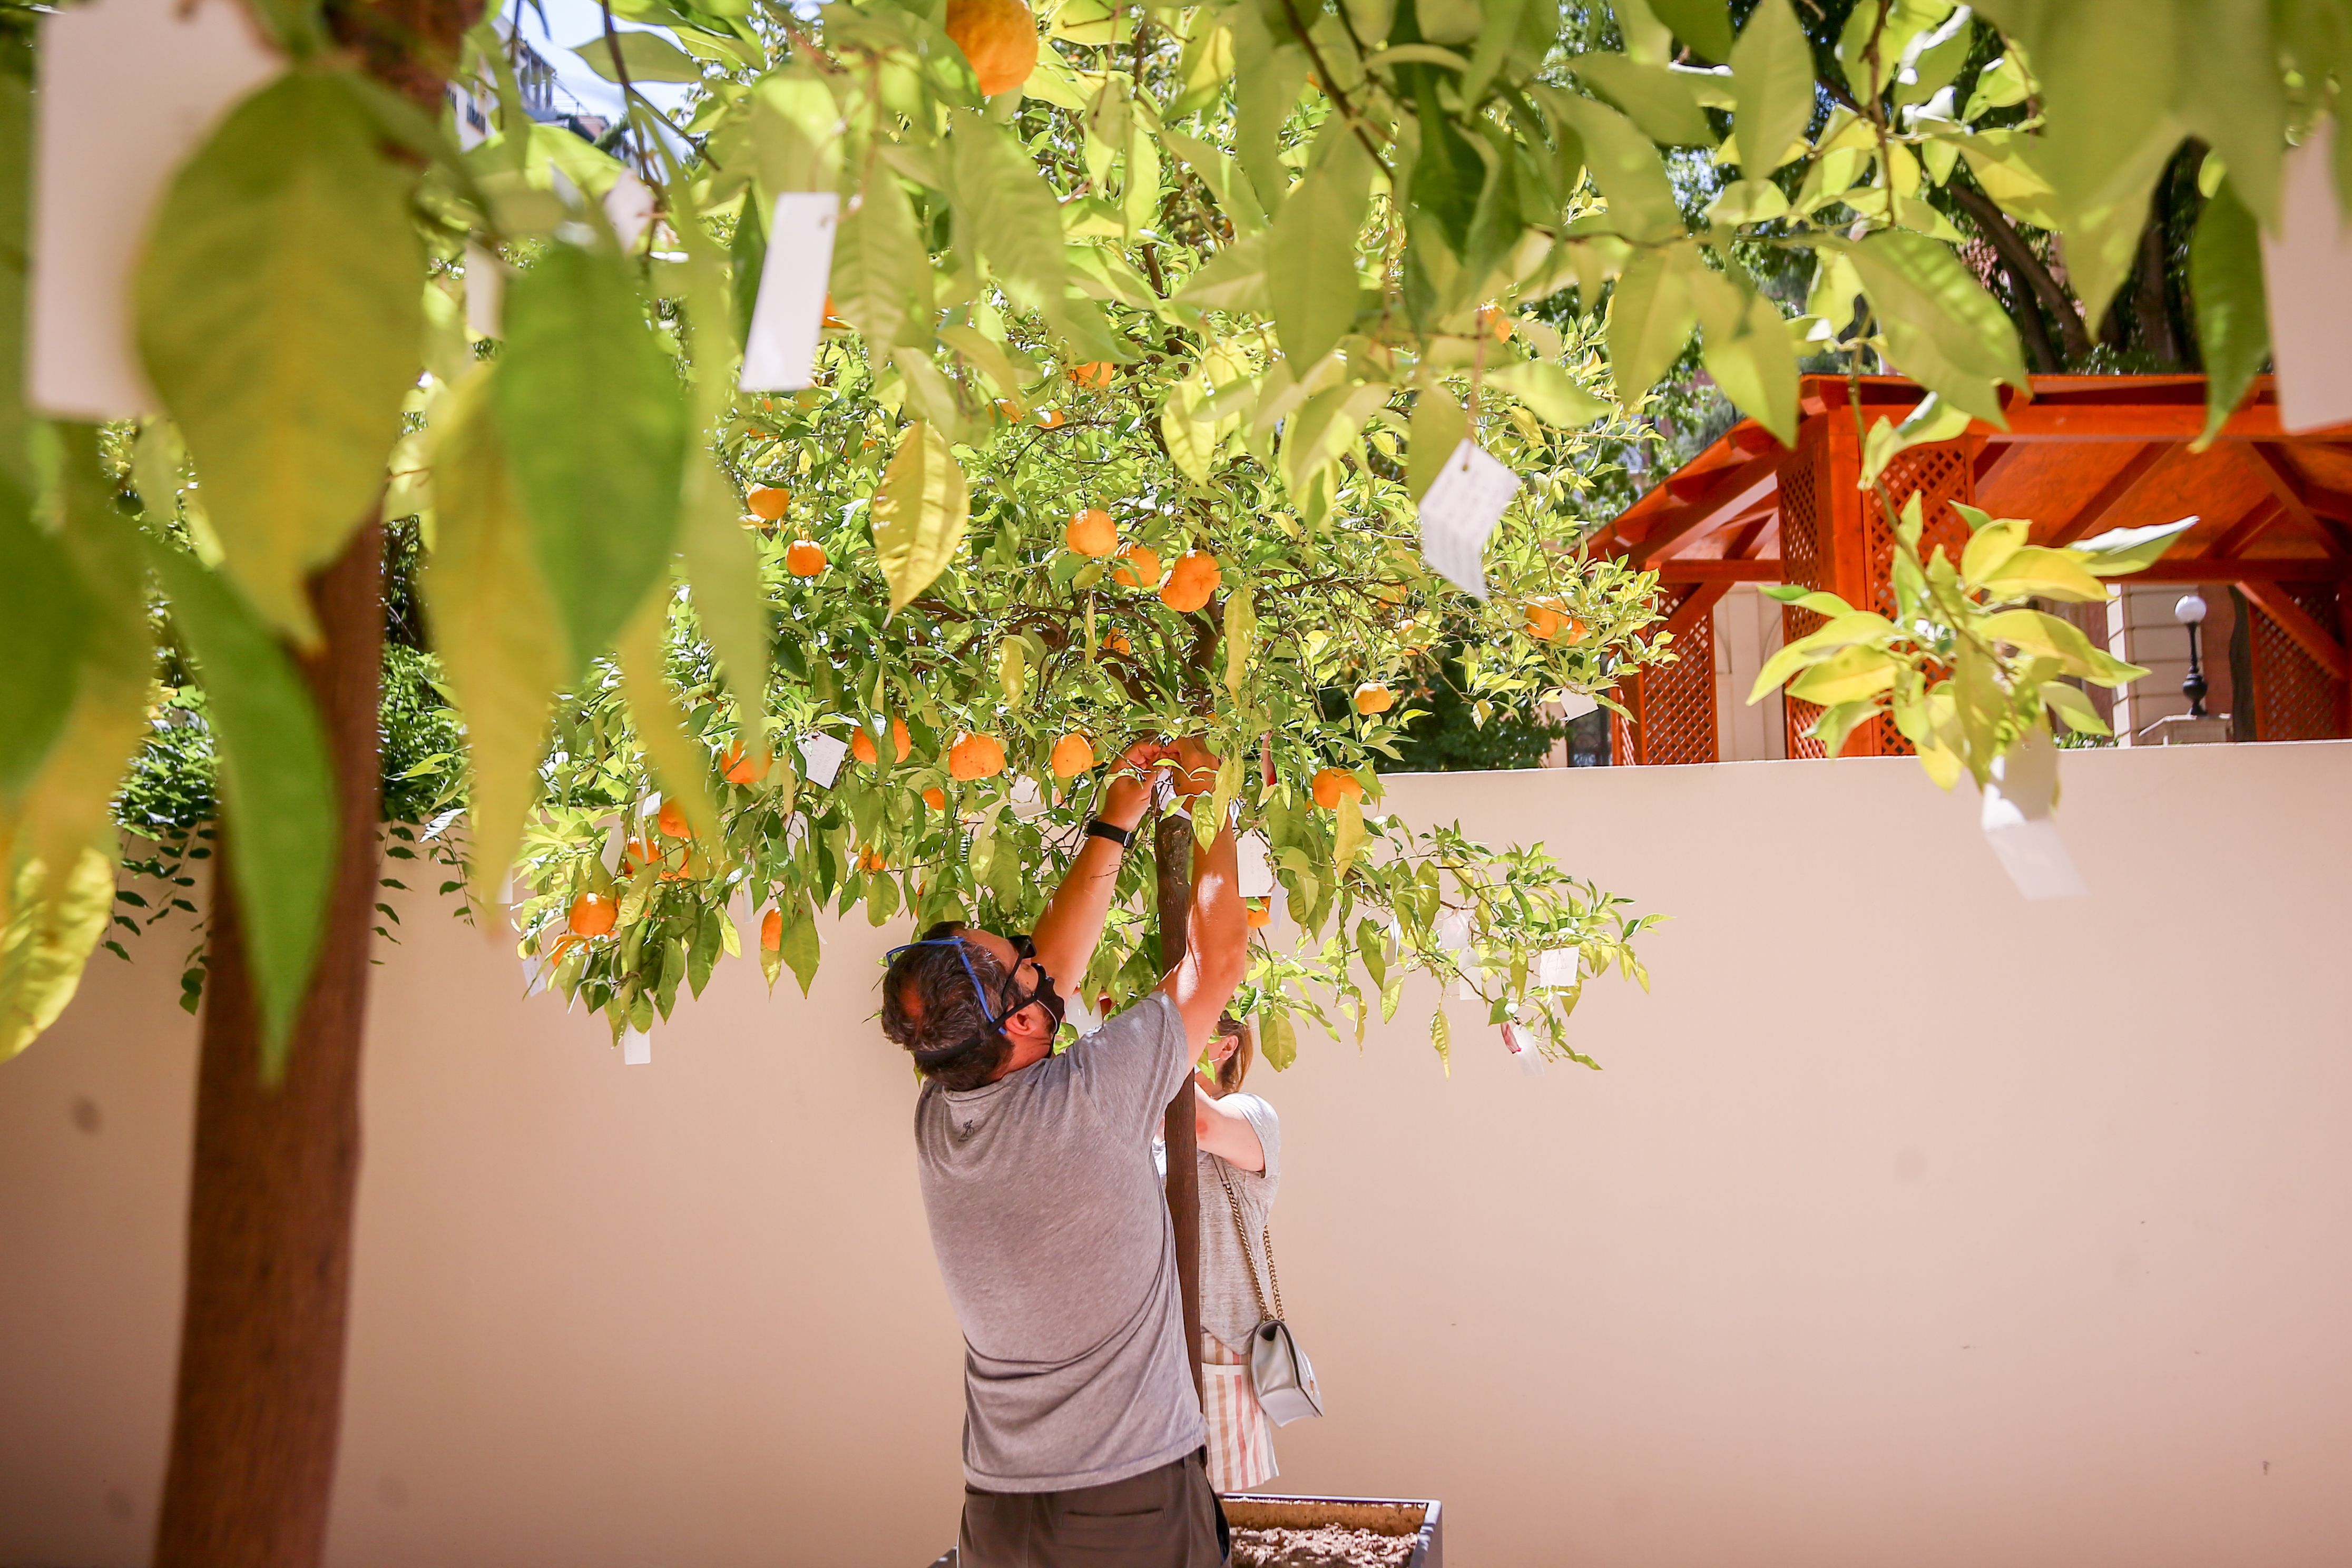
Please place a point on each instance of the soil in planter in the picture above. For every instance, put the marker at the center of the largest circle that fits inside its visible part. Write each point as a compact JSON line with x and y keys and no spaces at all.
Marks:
{"x":1328,"y":1546}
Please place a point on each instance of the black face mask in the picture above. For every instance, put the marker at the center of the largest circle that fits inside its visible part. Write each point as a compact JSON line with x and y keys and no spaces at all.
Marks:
{"x":1044,"y":993}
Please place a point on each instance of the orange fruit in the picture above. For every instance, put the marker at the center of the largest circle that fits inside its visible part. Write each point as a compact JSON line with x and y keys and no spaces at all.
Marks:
{"x":1547,"y":622}
{"x":638,"y":852}
{"x":673,"y":821}
{"x":768,"y":502}
{"x":1010,"y":409}
{"x":1138,"y":567}
{"x":936,"y":798}
{"x":772,"y":931}
{"x":738,"y":767}
{"x":1091,"y":532}
{"x":975,"y":757}
{"x":832,"y":322}
{"x":861,"y":742}
{"x":1117,"y":642}
{"x":1073,"y":754}
{"x":1094,"y":372}
{"x":1049,"y":419}
{"x":1495,"y":321}
{"x":593,"y":914}
{"x":999,"y":37}
{"x":872,"y":860}
{"x":1333,"y":783}
{"x":1372,"y":697}
{"x":1259,"y":914}
{"x":806,"y":558}
{"x":1195,"y":577}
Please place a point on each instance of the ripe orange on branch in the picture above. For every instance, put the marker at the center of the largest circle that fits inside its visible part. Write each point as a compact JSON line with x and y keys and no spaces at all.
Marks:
{"x":1091,"y":532}
{"x":975,"y":757}
{"x":936,"y":798}
{"x":1374,"y":698}
{"x":806,"y":558}
{"x":1138,"y":567}
{"x":861,"y":744}
{"x":1547,"y":622}
{"x":1073,"y":754}
{"x":1195,"y":578}
{"x":673,"y":821}
{"x":768,"y":502}
{"x":1259,"y":913}
{"x":772,"y":931}
{"x":739,"y":766}
{"x":1333,"y":784}
{"x":999,"y":37}
{"x":1094,"y":372}
{"x":593,"y":914}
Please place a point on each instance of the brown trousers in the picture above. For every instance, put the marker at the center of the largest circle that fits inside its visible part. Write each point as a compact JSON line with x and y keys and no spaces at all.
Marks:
{"x":1165,"y":1518}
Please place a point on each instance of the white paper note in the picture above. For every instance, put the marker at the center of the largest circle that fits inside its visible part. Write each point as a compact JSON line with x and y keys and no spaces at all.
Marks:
{"x":1576,"y":705}
{"x":636,"y":1049}
{"x":1556,"y":966}
{"x":821,"y":757}
{"x":128,"y":89}
{"x":1530,"y":1060}
{"x":2018,"y":824}
{"x":629,"y":206}
{"x":486,"y":291}
{"x":1025,"y":798}
{"x":2308,"y":274}
{"x":1453,"y":931}
{"x":781,"y":350}
{"x":1255,"y":870}
{"x":1458,"y":514}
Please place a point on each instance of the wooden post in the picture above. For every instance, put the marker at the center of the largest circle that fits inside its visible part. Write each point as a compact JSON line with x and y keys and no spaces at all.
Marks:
{"x":1171,"y":856}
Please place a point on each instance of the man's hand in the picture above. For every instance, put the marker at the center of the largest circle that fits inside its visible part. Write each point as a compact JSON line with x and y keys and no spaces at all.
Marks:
{"x":1192,"y":767}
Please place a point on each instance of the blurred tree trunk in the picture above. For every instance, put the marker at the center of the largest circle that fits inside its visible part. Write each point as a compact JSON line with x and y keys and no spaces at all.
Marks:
{"x":258,"y":1403}
{"x":1171,"y":856}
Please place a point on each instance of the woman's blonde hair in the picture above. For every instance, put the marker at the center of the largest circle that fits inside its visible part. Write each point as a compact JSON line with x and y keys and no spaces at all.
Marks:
{"x":1236,"y":1068}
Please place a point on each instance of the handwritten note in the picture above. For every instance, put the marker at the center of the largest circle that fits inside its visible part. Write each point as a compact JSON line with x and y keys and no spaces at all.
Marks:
{"x":1460,"y":511}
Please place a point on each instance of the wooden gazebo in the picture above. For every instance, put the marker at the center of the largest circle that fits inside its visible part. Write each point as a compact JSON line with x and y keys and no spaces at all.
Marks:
{"x":2082,"y":455}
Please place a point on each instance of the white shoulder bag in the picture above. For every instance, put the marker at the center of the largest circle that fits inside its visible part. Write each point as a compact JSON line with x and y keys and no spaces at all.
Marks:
{"x":1279,"y":1370}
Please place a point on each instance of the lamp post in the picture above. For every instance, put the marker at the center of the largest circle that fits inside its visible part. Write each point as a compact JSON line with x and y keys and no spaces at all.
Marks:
{"x":2190,"y":611}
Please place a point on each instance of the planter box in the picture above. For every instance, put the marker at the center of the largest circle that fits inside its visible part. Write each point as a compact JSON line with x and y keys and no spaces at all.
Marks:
{"x":1417,"y":1517}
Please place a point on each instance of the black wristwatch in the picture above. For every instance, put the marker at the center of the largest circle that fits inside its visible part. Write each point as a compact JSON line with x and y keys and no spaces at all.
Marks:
{"x":1098,"y":828}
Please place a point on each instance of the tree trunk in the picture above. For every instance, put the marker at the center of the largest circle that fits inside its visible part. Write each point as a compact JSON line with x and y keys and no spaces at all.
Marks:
{"x":2154,"y":319}
{"x":2036,"y":331}
{"x":1172,"y":857}
{"x":269,"y":1209}
{"x":2019,"y":258}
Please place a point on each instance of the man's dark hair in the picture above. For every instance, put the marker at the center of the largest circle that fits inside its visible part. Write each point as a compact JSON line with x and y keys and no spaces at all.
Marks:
{"x":930,"y":1007}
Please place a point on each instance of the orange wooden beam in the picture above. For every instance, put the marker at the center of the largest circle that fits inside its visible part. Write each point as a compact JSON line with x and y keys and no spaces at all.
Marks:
{"x":2287,"y":486}
{"x":1731,"y":492}
{"x":1701,"y":602}
{"x":1726,"y":570}
{"x":2112,"y":494}
{"x":2249,"y":528}
{"x":2240,"y":569}
{"x":2305,"y":633}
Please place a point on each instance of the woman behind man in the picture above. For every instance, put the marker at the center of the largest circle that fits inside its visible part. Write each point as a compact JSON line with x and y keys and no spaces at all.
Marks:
{"x":1240,"y":1169}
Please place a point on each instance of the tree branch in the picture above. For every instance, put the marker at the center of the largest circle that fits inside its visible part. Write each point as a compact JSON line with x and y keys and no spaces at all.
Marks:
{"x":2023,"y":265}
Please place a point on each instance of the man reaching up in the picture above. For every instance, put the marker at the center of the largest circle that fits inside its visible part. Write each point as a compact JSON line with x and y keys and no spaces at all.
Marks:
{"x":1083,"y":1435}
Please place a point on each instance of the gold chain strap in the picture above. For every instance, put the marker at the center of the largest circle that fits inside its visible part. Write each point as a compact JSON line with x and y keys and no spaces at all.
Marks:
{"x":1241,"y":1235}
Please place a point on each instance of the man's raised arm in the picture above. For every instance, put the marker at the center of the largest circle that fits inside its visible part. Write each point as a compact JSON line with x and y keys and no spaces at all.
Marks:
{"x":1216,"y":940}
{"x":1072,"y":925}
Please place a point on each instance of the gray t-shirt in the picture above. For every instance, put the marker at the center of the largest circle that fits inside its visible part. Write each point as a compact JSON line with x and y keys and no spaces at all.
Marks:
{"x":1228,"y":1306}
{"x":1053,"y":1237}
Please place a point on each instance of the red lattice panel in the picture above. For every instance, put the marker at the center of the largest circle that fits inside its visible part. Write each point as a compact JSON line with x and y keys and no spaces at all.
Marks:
{"x":2295,"y":697}
{"x":1675,"y":703}
{"x":1800,"y":558}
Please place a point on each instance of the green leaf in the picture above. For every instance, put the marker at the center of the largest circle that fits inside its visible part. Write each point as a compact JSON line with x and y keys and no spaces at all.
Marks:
{"x":1745,"y":346}
{"x":1006,"y":209}
{"x":801,"y":949}
{"x":795,"y":131}
{"x":647,"y":56}
{"x":919,"y":512}
{"x":1651,"y":315}
{"x":1276,"y":1038}
{"x":1268,"y":79}
{"x":1990,"y":545}
{"x":594,"y":424}
{"x":1655,"y":99}
{"x":722,"y":568}
{"x":1314,"y":292}
{"x":1349,"y":840}
{"x":1437,"y":430}
{"x":1232,"y":278}
{"x":1624,"y":165}
{"x":1441,"y":1038}
{"x":51,"y":925}
{"x":1704,"y":24}
{"x":1772,"y":72}
{"x":1240,"y":636}
{"x":280,"y":317}
{"x":1189,"y":429}
{"x":680,"y":766}
{"x":2074,"y":709}
{"x":2042,"y":634}
{"x":2120,"y":552}
{"x":1941,"y":328}
{"x":45,"y":621}
{"x":876,"y":260}
{"x":2233,"y":329}
{"x":1934,"y":420}
{"x":2052,"y":573}
{"x":1548,"y":389}
{"x":494,"y":627}
{"x":279,"y":802}
{"x":1852,"y":675}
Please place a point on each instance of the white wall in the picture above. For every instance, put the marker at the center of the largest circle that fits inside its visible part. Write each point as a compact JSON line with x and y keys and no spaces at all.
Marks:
{"x":1894,"y":1231}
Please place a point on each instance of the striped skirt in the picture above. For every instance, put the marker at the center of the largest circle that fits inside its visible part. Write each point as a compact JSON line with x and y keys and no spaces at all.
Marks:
{"x":1241,"y":1439}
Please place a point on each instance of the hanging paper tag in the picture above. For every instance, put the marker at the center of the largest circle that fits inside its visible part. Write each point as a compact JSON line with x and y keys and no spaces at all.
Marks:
{"x":1576,"y":705}
{"x":821,"y":757}
{"x":1256,"y":871}
{"x":1459,"y":512}
{"x":2308,"y":274}
{"x":637,"y":1049}
{"x":1453,"y":931}
{"x":486,"y":291}
{"x":128,"y":89}
{"x":1529,"y":1059}
{"x":1025,"y":798}
{"x":780,"y":352}
{"x":2018,"y":824}
{"x":629,"y":206}
{"x":1556,"y":966}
